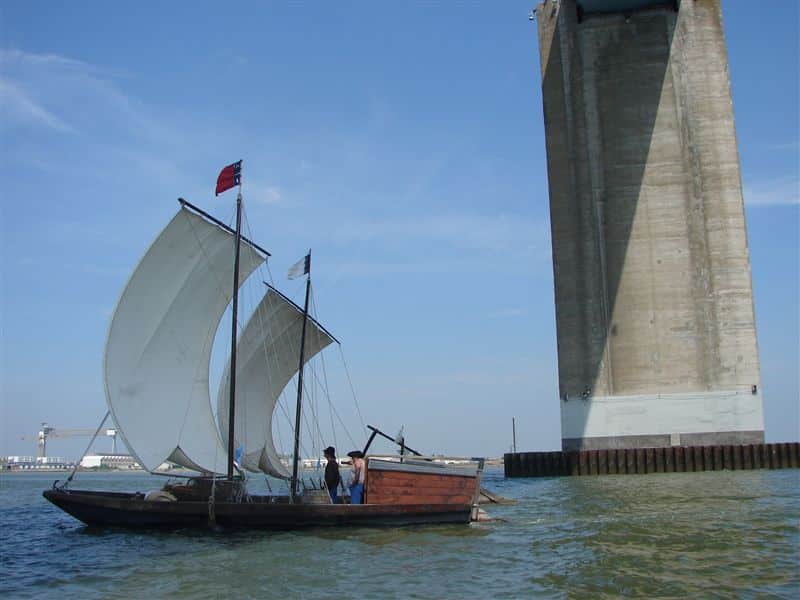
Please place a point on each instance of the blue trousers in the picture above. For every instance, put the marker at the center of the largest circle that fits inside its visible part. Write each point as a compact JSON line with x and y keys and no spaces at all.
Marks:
{"x":356,"y":492}
{"x":334,"y":492}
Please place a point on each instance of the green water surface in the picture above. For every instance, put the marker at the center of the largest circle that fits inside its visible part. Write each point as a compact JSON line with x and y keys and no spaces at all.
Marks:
{"x":684,"y":535}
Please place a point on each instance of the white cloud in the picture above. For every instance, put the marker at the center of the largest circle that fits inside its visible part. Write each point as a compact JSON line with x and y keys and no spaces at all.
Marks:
{"x":780,"y":191}
{"x":261,"y":193}
{"x":121,"y":134}
{"x":507,"y":313}
{"x":503,"y":234}
{"x":19,"y":65}
{"x":270,"y":195}
{"x":16,"y":105}
{"x":442,"y":244}
{"x":371,"y":268}
{"x":794,"y":145}
{"x":228,"y":56}
{"x":71,"y":95}
{"x":11,"y":56}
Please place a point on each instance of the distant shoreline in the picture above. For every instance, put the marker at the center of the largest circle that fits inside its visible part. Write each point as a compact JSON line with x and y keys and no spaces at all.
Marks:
{"x":490,"y":462}
{"x":84,"y":471}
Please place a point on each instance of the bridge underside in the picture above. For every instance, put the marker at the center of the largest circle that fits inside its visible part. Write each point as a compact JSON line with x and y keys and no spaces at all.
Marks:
{"x":600,"y":7}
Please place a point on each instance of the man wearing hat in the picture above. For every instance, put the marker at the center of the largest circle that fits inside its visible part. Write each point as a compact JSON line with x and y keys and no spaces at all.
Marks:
{"x":357,"y":485}
{"x":332,"y":477}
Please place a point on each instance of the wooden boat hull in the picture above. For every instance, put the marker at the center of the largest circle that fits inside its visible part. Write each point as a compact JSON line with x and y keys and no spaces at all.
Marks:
{"x":112,"y":509}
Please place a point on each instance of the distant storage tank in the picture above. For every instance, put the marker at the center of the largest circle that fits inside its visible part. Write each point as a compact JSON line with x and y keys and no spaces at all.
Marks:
{"x":654,"y":306}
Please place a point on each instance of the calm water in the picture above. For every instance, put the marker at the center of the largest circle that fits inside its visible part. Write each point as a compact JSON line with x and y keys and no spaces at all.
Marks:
{"x":717,"y":534}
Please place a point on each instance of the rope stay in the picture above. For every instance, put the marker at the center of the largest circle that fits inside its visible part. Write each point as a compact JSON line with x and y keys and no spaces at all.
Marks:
{"x":77,"y":464}
{"x":352,"y":389}
{"x":316,"y":388}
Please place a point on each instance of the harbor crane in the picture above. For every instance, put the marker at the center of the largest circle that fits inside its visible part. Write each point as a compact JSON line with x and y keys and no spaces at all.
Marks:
{"x":47,"y":432}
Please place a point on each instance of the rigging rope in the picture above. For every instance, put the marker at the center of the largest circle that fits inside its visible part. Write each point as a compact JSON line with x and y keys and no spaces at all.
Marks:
{"x":352,"y":389}
{"x":77,"y":464}
{"x":311,"y":417}
{"x":327,"y":390}
{"x":248,"y":305}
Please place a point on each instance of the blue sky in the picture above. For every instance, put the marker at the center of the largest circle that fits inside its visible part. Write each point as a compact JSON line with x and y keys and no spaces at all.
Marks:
{"x":403,"y":142}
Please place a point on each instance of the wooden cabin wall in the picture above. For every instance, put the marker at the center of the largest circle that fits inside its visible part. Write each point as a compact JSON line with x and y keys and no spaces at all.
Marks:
{"x":395,"y":487}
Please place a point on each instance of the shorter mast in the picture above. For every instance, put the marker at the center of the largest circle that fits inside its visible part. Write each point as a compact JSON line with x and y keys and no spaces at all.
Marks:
{"x":235,"y":306}
{"x":296,"y":455}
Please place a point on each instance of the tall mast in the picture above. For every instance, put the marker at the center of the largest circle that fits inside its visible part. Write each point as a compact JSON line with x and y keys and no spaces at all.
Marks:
{"x":300,"y":387}
{"x":235,"y":307}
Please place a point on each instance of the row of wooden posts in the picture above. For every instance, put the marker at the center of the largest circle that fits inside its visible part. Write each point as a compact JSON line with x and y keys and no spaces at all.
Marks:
{"x":640,"y":461}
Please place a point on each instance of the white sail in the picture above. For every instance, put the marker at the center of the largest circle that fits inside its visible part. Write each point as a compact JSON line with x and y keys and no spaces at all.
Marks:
{"x":159,"y":344}
{"x":267,"y":357}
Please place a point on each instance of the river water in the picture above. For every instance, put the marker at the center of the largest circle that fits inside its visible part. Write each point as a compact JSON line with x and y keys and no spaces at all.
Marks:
{"x":715,"y":534}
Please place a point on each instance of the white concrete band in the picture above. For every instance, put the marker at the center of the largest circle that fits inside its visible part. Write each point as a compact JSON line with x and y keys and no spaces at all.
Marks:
{"x":661,"y":414}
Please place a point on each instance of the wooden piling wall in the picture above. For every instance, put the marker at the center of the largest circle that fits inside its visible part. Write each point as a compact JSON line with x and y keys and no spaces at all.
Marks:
{"x":639,"y":461}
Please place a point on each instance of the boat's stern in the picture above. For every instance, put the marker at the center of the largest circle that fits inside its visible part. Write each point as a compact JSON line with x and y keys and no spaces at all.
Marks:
{"x":420,"y":481}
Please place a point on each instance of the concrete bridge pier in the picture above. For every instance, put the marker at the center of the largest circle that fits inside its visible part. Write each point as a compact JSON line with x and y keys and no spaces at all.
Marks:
{"x":654,"y":306}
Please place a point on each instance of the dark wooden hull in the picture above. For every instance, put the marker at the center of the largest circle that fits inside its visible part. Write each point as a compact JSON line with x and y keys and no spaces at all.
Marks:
{"x":112,"y":509}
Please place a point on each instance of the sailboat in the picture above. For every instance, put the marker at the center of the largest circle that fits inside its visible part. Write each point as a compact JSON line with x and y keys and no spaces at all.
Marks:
{"x":156,"y":371}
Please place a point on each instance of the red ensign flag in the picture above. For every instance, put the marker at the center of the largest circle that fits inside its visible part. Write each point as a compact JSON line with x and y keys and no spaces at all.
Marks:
{"x":229,"y":177}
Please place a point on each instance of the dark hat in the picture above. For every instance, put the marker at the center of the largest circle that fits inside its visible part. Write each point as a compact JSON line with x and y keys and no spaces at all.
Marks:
{"x":355,"y":454}
{"x":330,"y":451}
